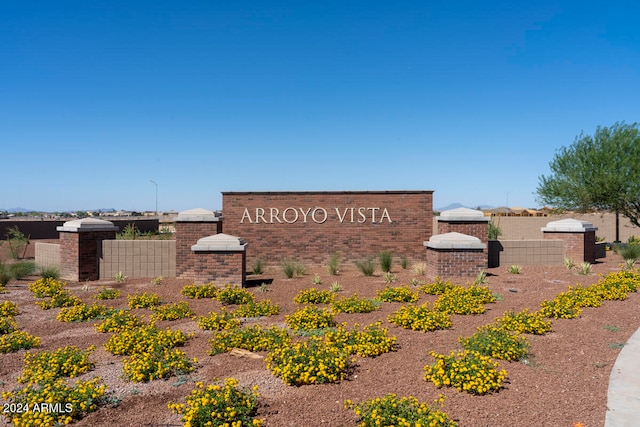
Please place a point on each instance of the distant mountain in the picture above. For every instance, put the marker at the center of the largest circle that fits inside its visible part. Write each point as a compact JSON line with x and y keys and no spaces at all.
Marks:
{"x":16,"y":210}
{"x":460,"y":205}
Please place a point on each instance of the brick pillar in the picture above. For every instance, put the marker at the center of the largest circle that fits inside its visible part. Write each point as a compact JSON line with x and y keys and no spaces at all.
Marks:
{"x":470,"y":222}
{"x":192,"y":225}
{"x":80,"y":247}
{"x":579,"y":238}
{"x":218,"y":259}
{"x":455,"y":255}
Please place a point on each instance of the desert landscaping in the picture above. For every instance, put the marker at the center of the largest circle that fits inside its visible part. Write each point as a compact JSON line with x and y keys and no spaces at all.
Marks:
{"x":562,"y":381}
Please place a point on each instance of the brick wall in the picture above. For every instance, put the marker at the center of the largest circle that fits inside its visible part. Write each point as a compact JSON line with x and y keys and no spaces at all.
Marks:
{"x":217,"y":267}
{"x":187,"y":235}
{"x":310,"y":226}
{"x":580,"y":247}
{"x":455,"y":262}
{"x":470,"y":228}
{"x":79,"y":254}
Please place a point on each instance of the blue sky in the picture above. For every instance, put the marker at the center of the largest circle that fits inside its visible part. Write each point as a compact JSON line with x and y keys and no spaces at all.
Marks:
{"x":469,"y":99}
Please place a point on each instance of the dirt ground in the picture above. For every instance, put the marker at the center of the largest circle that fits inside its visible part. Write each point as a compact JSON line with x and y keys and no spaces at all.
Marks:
{"x":563,"y":383}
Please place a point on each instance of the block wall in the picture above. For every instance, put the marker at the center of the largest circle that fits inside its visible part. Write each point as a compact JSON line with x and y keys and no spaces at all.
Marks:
{"x":138,"y":258}
{"x":532,"y":252}
{"x":47,"y":254}
{"x":455,"y":262}
{"x":310,"y":226}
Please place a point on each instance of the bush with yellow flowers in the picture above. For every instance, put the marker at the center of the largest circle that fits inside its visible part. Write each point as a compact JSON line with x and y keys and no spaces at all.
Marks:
{"x":392,"y":410}
{"x":496,"y":342}
{"x":467,"y":371}
{"x":179,"y":310}
{"x":438,"y":287}
{"x":9,"y":309}
{"x":7,"y":325}
{"x":218,"y":321}
{"x":252,"y":338}
{"x":46,"y":287}
{"x":420,"y":318}
{"x":160,"y":362}
{"x":308,"y":362}
{"x":371,"y":341}
{"x":144,"y":300}
{"x":207,"y":290}
{"x":583,"y":297}
{"x":224,"y":405}
{"x":17,"y":340}
{"x":561,"y":307}
{"x":617,"y":286}
{"x":461,"y":300}
{"x":54,"y":402}
{"x":144,"y":339}
{"x":61,"y":298}
{"x":82,"y":312}
{"x":119,"y":320}
{"x":45,"y":366}
{"x":257,"y":309}
{"x":524,"y":322}
{"x":233,"y":294}
{"x":397,"y":294}
{"x":355,"y":304}
{"x":309,"y":318}
{"x":314,"y":296}
{"x":107,"y":293}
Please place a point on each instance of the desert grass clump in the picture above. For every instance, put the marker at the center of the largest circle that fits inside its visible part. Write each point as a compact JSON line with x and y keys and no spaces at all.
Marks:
{"x":51,"y":272}
{"x":334,"y":264}
{"x":316,"y":280}
{"x":335,"y":287}
{"x":367,"y":267}
{"x":569,"y":263}
{"x":585,"y":268}
{"x":419,"y":268}
{"x":386,"y":260}
{"x":514,"y":269}
{"x":292,"y":268}
{"x":257,"y":267}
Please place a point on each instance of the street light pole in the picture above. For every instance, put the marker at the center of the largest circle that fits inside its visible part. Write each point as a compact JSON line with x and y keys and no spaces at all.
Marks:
{"x":156,"y":184}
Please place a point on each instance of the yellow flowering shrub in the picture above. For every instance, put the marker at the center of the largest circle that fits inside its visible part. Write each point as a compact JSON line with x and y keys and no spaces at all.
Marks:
{"x":308,"y":362}
{"x":119,"y":320}
{"x":179,"y":310}
{"x":420,"y":318}
{"x":207,"y":290}
{"x":397,"y":294}
{"x":144,"y":339}
{"x":161,"y":362}
{"x":496,"y":342}
{"x":252,"y":338}
{"x":218,"y":321}
{"x":144,"y":300}
{"x":107,"y":293}
{"x":310,"y":318}
{"x":61,"y":298}
{"x":224,"y":405}
{"x":7,"y":325}
{"x":314,"y":296}
{"x":461,"y":300}
{"x":561,"y":307}
{"x":233,"y":294}
{"x":466,"y":371}
{"x":82,"y":313}
{"x":438,"y":287}
{"x":9,"y":309}
{"x":583,"y":297}
{"x":46,"y":287}
{"x":524,"y":322}
{"x":257,"y":309}
{"x":17,"y":340}
{"x":44,"y":366}
{"x":371,"y":341}
{"x":391,"y":410}
{"x":355,"y":304}
{"x":617,"y":286}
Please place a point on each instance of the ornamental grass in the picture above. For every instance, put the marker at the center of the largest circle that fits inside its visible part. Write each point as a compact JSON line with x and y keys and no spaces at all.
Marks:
{"x":466,"y":371}
{"x":420,"y":318}
{"x":392,"y":410}
{"x":219,"y":405}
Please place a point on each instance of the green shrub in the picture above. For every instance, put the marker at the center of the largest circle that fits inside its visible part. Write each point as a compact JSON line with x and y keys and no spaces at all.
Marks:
{"x":334,"y":264}
{"x":496,"y":342}
{"x":257,"y":267}
{"x":50,"y":272}
{"x":386,"y":259}
{"x":629,"y":251}
{"x":366,"y":266}
{"x":22,"y":269}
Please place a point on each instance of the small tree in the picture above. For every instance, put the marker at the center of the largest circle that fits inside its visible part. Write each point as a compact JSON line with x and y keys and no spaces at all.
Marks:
{"x":597,"y":172}
{"x":17,"y":242}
